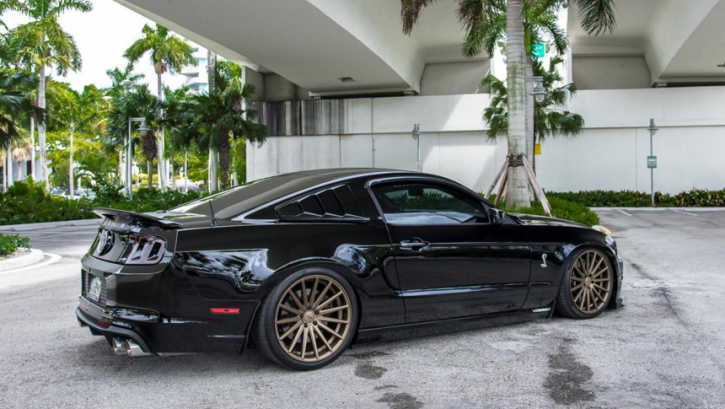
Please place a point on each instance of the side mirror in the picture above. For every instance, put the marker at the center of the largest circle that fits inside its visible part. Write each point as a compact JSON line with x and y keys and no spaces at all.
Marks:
{"x":496,"y":216}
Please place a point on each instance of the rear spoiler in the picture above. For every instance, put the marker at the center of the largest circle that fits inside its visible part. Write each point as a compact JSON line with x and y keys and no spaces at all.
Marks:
{"x":145,"y":220}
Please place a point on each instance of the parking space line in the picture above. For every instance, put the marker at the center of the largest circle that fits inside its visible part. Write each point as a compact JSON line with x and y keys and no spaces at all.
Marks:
{"x":624,"y":213}
{"x":687,"y":213}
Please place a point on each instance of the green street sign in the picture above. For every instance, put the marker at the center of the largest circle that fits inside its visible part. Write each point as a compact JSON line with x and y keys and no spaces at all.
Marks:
{"x":538,"y":50}
{"x":651,"y":162}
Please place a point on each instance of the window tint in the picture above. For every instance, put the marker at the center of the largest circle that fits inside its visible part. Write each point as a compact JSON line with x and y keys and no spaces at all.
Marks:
{"x":425,"y":203}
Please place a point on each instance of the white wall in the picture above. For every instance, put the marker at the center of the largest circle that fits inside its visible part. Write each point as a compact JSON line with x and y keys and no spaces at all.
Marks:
{"x":608,"y":72}
{"x":453,"y":78}
{"x":610,"y":154}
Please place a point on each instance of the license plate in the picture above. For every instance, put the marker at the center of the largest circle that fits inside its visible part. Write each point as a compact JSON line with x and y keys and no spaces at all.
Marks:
{"x":94,"y":292}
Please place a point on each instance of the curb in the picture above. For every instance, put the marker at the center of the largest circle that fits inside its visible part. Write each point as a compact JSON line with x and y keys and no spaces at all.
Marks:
{"x":660,"y":209}
{"x":50,"y":225}
{"x":34,"y":257}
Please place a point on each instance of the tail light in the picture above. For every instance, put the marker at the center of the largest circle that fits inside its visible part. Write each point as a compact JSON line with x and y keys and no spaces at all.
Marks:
{"x":142,"y":249}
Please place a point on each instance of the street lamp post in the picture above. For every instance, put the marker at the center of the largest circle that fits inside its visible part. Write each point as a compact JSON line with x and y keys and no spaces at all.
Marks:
{"x":416,"y":136}
{"x":651,"y":159}
{"x":143,"y":129}
{"x":539,"y":90}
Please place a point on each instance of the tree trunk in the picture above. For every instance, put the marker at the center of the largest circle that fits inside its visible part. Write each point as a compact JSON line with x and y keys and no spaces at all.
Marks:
{"x":173,"y":175}
{"x":224,"y":148}
{"x":11,"y":179}
{"x":213,"y":170}
{"x":32,"y":153}
{"x":41,"y":129}
{"x":5,"y":173}
{"x":530,"y":115}
{"x":213,"y":162}
{"x":150,"y":168}
{"x":121,"y":169}
{"x":163,"y":183}
{"x":70,"y":165}
{"x":186,"y":172}
{"x":517,"y":187}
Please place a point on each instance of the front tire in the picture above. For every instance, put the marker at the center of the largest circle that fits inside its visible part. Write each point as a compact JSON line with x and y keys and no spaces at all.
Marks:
{"x":308,"y":320}
{"x":587,"y":285}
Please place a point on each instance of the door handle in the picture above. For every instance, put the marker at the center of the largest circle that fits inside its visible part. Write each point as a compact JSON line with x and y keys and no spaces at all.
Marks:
{"x":414,"y":244}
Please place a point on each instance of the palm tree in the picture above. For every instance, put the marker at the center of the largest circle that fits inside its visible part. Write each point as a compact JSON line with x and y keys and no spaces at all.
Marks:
{"x":549,"y":120}
{"x":117,"y":77}
{"x":15,"y":105}
{"x":43,"y":43}
{"x":79,"y":112}
{"x":117,"y":90}
{"x":219,"y":116}
{"x":175,"y":120}
{"x":484,"y":26}
{"x":139,"y":102}
{"x":167,"y":53}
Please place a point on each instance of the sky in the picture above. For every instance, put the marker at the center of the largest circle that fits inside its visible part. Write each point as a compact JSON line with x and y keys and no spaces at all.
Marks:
{"x":102,"y":35}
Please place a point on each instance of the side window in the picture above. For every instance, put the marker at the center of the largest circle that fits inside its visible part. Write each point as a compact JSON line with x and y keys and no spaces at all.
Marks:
{"x":335,"y":202}
{"x":416,"y":203}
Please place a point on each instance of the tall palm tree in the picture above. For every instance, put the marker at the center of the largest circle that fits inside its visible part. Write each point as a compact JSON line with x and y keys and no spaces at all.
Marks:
{"x":484,"y":26}
{"x":15,"y":105}
{"x":168,"y":53}
{"x":42,"y":43}
{"x":219,"y":117}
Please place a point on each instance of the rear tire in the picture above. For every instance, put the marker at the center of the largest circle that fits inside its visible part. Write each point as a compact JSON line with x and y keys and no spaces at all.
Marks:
{"x":587,"y":285}
{"x":308,"y":320}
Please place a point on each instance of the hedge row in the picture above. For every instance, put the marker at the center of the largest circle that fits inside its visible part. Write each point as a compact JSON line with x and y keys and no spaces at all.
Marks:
{"x":608,"y":198}
{"x":28,"y":202}
{"x":561,"y":209}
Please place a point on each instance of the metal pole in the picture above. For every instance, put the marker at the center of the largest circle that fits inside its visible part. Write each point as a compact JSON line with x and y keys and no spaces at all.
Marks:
{"x":186,"y":172}
{"x":418,"y":148}
{"x":129,"y":168}
{"x":652,"y":171}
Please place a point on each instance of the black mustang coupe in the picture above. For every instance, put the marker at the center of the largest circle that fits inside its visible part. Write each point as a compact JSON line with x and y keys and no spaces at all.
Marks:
{"x":306,"y":263}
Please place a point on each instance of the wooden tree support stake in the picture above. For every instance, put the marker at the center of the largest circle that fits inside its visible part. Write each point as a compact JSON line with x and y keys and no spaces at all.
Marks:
{"x":502,"y":176}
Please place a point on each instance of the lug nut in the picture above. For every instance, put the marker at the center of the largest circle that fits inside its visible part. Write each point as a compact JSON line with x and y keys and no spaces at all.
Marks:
{"x":305,"y":325}
{"x":315,"y":322}
{"x":317,"y":313}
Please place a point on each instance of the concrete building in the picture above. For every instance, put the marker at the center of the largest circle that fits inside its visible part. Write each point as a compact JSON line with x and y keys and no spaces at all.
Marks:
{"x":197,"y":78}
{"x":339,"y":85}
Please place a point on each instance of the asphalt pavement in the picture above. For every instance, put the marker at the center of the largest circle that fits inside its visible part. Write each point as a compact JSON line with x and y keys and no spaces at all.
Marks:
{"x":665,"y":349}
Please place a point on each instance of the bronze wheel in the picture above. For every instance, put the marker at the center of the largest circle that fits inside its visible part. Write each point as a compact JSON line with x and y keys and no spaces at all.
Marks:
{"x":313,"y":318}
{"x":590,"y":282}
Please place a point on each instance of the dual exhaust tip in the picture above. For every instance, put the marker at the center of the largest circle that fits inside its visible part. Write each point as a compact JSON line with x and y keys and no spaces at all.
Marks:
{"x":123,"y":346}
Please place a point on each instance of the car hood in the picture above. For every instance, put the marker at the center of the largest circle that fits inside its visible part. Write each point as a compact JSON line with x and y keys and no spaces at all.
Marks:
{"x":531,"y":220}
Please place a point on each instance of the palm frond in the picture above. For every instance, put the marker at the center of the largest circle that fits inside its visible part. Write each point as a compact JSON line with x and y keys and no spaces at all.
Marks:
{"x":597,"y":16}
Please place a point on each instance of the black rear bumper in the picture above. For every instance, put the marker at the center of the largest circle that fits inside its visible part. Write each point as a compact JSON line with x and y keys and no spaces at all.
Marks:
{"x":109,"y":331}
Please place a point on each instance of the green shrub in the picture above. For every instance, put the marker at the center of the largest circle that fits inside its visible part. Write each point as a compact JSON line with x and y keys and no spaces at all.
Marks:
{"x":8,"y":244}
{"x":560,"y":209}
{"x":28,"y":202}
{"x":604,"y":198}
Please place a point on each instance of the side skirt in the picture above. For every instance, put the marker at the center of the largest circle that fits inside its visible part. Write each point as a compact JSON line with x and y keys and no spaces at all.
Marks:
{"x":405,"y":331}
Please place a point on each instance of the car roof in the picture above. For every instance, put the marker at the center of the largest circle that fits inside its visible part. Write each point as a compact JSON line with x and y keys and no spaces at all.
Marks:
{"x":235,"y":201}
